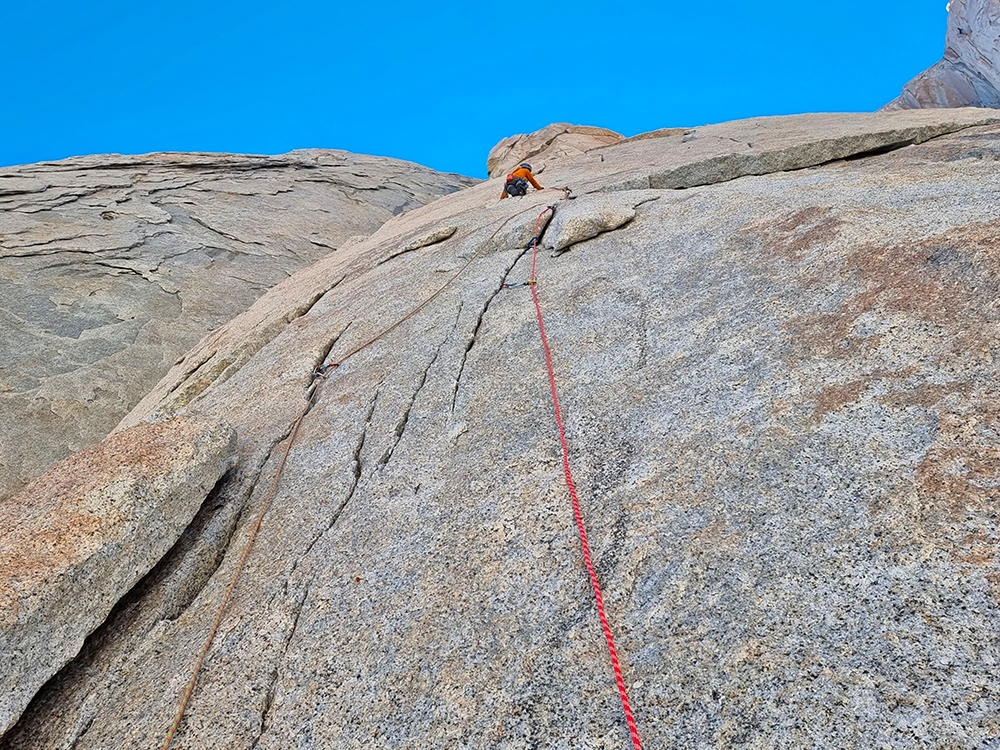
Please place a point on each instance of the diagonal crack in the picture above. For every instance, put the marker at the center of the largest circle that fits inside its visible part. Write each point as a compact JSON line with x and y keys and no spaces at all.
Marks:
{"x":179,"y":578}
{"x":219,"y":232}
{"x":401,"y":425}
{"x":232,"y":526}
{"x":473,"y":338}
{"x":323,"y":245}
{"x":304,"y":309}
{"x":275,"y":675}
{"x":486,"y":306}
{"x":81,"y":732}
{"x":328,"y":347}
{"x":356,"y":463}
{"x":192,"y":369}
{"x":234,"y":358}
{"x":258,"y":471}
{"x":421,"y":243}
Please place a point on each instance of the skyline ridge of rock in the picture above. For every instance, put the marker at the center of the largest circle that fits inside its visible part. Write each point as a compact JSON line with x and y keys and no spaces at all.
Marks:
{"x":969,"y":73}
{"x":111,"y":267}
{"x":555,"y":141}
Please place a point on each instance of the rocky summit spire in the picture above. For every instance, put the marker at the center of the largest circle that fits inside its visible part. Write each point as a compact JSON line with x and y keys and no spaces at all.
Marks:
{"x":969,"y":73}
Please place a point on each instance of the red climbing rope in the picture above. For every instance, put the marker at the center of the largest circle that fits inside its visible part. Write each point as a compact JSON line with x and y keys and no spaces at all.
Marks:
{"x":311,"y":395}
{"x":622,"y":691}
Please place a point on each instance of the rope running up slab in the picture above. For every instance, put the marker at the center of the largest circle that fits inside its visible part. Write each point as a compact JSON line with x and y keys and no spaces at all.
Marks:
{"x":577,"y":515}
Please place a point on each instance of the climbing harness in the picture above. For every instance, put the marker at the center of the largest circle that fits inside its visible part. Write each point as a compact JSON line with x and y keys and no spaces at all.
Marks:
{"x":516,"y":187}
{"x":577,"y":515}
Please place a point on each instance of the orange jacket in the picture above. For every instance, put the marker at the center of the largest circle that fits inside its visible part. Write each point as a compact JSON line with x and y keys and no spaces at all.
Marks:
{"x":524,"y":174}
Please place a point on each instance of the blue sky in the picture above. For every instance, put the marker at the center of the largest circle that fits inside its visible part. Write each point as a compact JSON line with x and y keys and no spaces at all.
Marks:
{"x":433,"y":82}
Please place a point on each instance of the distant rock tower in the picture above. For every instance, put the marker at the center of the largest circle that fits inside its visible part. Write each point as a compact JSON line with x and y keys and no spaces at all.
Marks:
{"x":969,"y":73}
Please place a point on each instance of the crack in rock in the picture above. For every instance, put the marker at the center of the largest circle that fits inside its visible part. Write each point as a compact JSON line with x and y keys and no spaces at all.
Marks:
{"x":434,"y":237}
{"x":482,"y":313}
{"x":276,"y":671}
{"x":401,"y":425}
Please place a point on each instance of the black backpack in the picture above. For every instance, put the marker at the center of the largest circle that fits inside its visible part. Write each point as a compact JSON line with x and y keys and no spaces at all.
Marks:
{"x":516,"y":187}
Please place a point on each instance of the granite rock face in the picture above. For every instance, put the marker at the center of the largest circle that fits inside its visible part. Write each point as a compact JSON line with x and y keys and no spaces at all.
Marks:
{"x":591,"y":215}
{"x":969,"y":73}
{"x":776,"y":344}
{"x":112,"y":267}
{"x":78,"y":538}
{"x":551,"y":142}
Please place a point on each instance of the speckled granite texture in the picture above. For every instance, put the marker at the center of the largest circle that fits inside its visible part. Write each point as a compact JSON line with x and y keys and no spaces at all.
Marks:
{"x":780,"y":395}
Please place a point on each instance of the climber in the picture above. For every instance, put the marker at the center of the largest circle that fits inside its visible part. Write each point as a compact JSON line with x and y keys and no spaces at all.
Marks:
{"x":517,"y":182}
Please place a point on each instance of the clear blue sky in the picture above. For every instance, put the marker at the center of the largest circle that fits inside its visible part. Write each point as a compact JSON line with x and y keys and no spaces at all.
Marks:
{"x":433,"y":82}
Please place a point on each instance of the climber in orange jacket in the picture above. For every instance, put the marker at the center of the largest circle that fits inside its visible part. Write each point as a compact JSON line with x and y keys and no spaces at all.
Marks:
{"x":517,"y":182}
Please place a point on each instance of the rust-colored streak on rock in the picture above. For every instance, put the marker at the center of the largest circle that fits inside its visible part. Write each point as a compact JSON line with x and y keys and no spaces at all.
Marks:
{"x":944,"y":279}
{"x":961,"y":472}
{"x":980,"y":549}
{"x":150,"y":455}
{"x":78,"y":538}
{"x":835,"y":397}
{"x":791,"y":236}
{"x":951,"y":506}
{"x":925,"y":395}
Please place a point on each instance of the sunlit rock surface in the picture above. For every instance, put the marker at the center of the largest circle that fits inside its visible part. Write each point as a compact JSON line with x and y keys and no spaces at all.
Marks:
{"x":969,"y":73}
{"x":777,"y":352}
{"x":111,"y":267}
